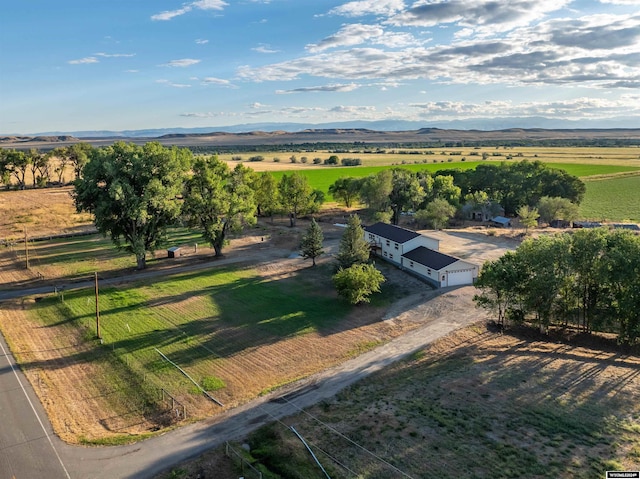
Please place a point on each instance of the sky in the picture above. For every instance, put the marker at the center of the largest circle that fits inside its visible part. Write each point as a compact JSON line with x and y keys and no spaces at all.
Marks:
{"x":76,"y":65}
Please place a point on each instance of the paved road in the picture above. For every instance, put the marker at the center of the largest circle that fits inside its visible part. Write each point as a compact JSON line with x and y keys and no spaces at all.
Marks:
{"x":28,"y":447}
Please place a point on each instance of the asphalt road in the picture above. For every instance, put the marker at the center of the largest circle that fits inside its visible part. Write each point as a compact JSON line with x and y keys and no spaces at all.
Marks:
{"x":28,"y":447}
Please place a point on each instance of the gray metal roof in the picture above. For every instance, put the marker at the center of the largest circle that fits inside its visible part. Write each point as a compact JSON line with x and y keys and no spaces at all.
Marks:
{"x":430,"y":258}
{"x":391,"y":232}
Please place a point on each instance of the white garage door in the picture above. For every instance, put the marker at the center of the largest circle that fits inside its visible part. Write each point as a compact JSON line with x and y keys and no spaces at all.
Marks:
{"x":454,"y":278}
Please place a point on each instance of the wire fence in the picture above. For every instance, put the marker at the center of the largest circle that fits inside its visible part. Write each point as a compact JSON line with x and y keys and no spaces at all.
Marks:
{"x":248,"y":471}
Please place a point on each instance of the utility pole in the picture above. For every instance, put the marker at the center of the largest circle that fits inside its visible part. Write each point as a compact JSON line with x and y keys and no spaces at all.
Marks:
{"x":26,"y":248}
{"x":97,"y":308}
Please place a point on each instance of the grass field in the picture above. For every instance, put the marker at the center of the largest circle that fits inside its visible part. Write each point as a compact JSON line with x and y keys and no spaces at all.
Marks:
{"x":612,"y":199}
{"x":81,"y":255}
{"x":237,"y":332}
{"x":322,"y":178}
{"x":477,"y":404}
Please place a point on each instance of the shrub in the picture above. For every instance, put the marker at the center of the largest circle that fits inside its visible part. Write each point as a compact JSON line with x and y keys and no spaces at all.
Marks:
{"x":257,"y":158}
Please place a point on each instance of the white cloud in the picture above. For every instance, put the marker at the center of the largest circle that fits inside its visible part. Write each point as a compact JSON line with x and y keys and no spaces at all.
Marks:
{"x":172,"y":84}
{"x":187,"y":7}
{"x":352,"y":109}
{"x":595,"y":51}
{"x":85,"y":60}
{"x":356,"y":34}
{"x":115,"y":55}
{"x":264,"y":48}
{"x":201,"y":41}
{"x":257,"y":105}
{"x":620,"y":2}
{"x":132,"y":71}
{"x":483,"y":16}
{"x":215,"y":81}
{"x":324,"y":88}
{"x":199,"y":115}
{"x":369,"y":7}
{"x":184,"y":62}
{"x":572,"y":109}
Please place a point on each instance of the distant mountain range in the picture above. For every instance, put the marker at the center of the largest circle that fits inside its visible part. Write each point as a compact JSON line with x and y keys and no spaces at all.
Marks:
{"x":485,"y":124}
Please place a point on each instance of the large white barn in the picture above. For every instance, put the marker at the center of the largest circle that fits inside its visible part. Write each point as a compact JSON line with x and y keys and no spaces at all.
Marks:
{"x":418,"y":254}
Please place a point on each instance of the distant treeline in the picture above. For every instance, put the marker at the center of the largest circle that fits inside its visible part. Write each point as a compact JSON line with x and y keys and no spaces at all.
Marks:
{"x":362,"y":147}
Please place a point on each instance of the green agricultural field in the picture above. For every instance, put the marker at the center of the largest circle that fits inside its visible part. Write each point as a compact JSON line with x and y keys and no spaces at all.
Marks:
{"x":612,"y":199}
{"x":322,"y":178}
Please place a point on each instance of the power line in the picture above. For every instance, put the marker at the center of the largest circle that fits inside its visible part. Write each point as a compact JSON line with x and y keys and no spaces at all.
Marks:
{"x":350,"y":440}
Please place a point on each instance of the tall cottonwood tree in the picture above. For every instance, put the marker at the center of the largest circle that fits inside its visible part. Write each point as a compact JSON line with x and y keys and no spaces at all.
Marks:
{"x":133,"y":193}
{"x":267,"y":196}
{"x":296,"y":195}
{"x":219,"y":200}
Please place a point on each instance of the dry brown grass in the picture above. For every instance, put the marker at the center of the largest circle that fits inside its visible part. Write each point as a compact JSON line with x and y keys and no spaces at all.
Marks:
{"x":42,"y":212}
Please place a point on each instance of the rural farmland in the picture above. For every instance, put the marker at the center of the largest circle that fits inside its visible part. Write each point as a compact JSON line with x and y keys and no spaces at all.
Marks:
{"x":214,"y":334}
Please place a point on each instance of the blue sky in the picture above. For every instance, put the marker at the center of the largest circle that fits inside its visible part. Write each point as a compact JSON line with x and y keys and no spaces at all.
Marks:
{"x":71,"y":65}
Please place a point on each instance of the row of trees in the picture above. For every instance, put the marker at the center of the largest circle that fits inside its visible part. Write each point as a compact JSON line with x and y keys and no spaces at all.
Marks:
{"x":487,"y":189}
{"x":44,"y":167}
{"x":589,"y":280}
{"x":137,"y":192}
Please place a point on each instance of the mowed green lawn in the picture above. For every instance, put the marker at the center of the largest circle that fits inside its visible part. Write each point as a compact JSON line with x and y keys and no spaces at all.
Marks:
{"x":200,"y":320}
{"x":613,"y":199}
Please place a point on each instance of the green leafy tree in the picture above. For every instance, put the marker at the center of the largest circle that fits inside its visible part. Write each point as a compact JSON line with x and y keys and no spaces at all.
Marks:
{"x":375,"y":191}
{"x":133,"y":193}
{"x":5,"y":167}
{"x":61,"y":157}
{"x":499,"y":285}
{"x":36,"y":161}
{"x":311,"y":245}
{"x":219,"y":200}
{"x":556,"y":208}
{"x":407,"y":193}
{"x":623,"y":276}
{"x":266,"y":194}
{"x":358,"y":282}
{"x":436,"y":214}
{"x":353,"y":249}
{"x":345,"y":190}
{"x":17,"y":163}
{"x":296,"y":195}
{"x":79,"y":154}
{"x":528,"y":217}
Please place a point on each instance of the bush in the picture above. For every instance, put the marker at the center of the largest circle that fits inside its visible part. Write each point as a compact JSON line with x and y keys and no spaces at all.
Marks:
{"x":257,"y":158}
{"x":317,"y":161}
{"x":276,"y":159}
{"x":358,"y":282}
{"x":351,"y":162}
{"x":332,"y":160}
{"x":236,"y":158}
